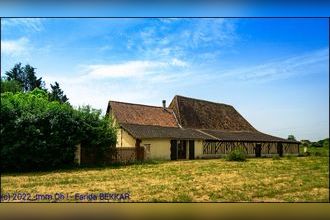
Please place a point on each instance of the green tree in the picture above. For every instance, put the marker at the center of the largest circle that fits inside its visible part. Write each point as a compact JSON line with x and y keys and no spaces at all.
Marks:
{"x":32,"y":81}
{"x":26,"y":76}
{"x":38,"y":134}
{"x":56,"y":94}
{"x":16,"y":73}
{"x":99,"y":131}
{"x":291,"y":137}
{"x":10,"y":86}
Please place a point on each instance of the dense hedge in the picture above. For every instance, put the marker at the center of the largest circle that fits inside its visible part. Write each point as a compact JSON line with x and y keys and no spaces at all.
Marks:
{"x":236,"y":155}
{"x":97,"y":135}
{"x":37,"y":134}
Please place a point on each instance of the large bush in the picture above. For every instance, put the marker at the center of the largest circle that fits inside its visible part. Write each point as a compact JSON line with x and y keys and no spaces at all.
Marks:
{"x":37,"y":134}
{"x":236,"y":155}
{"x":97,"y":134}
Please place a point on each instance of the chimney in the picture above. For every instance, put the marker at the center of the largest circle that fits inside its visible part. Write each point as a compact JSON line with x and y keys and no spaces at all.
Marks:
{"x":164,"y":104}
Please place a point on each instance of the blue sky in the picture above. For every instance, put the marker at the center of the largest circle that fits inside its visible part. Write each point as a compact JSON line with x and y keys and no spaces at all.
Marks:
{"x":154,"y":8}
{"x":275,"y":72}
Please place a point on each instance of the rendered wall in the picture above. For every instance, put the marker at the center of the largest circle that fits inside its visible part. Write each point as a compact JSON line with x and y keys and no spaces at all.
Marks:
{"x":124,"y":139}
{"x":198,"y":149}
{"x":161,"y":148}
{"x":157,"y":148}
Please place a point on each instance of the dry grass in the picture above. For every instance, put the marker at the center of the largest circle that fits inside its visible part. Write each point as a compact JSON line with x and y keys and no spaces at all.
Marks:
{"x":287,"y":180}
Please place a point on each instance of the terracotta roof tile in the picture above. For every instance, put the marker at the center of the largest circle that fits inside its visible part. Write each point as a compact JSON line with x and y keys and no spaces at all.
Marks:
{"x":254,"y":136}
{"x":199,"y":119}
{"x":127,"y":113}
{"x":201,"y":114}
{"x":150,"y":131}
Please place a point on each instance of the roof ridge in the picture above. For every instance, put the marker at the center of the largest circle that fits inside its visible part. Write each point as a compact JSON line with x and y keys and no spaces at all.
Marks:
{"x":256,"y":131}
{"x":149,"y":125}
{"x":178,"y":109}
{"x":176,"y":119}
{"x":202,"y":100}
{"x":128,"y":103}
{"x":198,"y":130}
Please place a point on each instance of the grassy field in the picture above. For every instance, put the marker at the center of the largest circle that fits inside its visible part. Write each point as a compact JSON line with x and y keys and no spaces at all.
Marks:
{"x":290,"y":179}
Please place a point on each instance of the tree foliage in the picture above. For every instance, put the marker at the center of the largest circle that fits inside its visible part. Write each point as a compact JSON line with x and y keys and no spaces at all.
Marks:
{"x":291,"y":137}
{"x":10,"y":86}
{"x":38,"y":134}
{"x":96,"y":128}
{"x":26,"y":77}
{"x":321,"y":143}
{"x":57,"y":94}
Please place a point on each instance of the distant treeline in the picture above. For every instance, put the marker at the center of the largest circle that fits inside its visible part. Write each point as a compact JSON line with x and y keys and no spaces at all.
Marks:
{"x":321,"y":143}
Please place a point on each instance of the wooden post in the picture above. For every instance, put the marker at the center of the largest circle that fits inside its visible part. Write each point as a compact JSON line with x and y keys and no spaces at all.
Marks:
{"x":139,"y":155}
{"x":174,"y":150}
{"x":77,"y":154}
{"x":191,"y":149}
{"x":280,"y":149}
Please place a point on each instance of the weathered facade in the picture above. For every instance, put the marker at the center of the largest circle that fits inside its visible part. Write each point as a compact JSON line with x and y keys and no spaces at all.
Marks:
{"x":191,"y":128}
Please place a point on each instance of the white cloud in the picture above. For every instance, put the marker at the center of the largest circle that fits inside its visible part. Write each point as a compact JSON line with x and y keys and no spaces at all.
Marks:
{"x":83,"y":91}
{"x":100,"y":83}
{"x":28,"y":24}
{"x":137,"y":68}
{"x":310,"y":63}
{"x":179,"y":63}
{"x":203,"y":34}
{"x":15,"y":48}
{"x":207,"y":32}
{"x":128,"y":69}
{"x":169,"y":78}
{"x":138,"y":81}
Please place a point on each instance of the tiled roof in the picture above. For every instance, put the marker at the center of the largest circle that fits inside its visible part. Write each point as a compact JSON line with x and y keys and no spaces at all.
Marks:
{"x":187,"y":118}
{"x":254,"y":136}
{"x":127,"y":113}
{"x":201,"y":114}
{"x":149,"y":131}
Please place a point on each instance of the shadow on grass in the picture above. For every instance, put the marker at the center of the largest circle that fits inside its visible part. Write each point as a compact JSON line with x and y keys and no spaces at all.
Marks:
{"x":85,"y":167}
{"x":119,"y":165}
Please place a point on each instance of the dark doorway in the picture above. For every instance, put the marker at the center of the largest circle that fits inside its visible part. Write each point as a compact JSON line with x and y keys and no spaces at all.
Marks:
{"x":182,"y":150}
{"x":280,"y":149}
{"x":139,"y":150}
{"x":191,"y":150}
{"x":258,"y":150}
{"x":174,"y":150}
